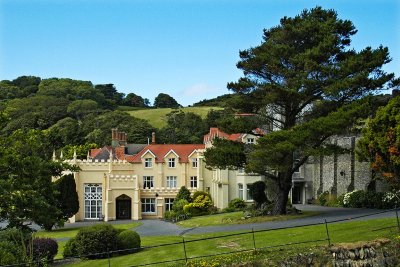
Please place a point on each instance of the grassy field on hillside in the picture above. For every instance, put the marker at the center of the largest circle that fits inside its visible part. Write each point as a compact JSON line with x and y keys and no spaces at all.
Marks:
{"x":157,"y":116}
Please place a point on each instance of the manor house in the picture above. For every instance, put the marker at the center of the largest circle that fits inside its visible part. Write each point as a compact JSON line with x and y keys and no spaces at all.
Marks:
{"x":136,"y":181}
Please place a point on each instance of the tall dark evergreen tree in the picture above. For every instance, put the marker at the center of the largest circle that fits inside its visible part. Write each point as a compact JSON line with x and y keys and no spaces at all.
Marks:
{"x":304,"y":80}
{"x":67,"y":197}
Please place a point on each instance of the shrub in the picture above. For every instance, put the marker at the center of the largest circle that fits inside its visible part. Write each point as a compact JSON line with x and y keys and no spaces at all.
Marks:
{"x":44,"y":249}
{"x":200,"y":205}
{"x":96,"y":239}
{"x":10,"y":253}
{"x":183,"y":193}
{"x":257,"y":191}
{"x":200,"y":193}
{"x":391,"y":200}
{"x":70,"y":249}
{"x":170,"y":215}
{"x":323,"y":198}
{"x":177,"y":206}
{"x":237,"y":204}
{"x":128,"y":240}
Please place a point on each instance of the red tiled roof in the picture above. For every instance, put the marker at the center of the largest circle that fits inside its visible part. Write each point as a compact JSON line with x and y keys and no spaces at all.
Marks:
{"x":160,"y":150}
{"x":215,"y":132}
{"x":94,"y":152}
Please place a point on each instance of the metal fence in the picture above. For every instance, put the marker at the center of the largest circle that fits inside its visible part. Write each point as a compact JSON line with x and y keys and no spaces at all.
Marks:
{"x":253,"y":242}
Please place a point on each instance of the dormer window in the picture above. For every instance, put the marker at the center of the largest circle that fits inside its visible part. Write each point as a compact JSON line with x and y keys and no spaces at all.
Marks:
{"x":250,"y":141}
{"x":148,"y":162}
{"x":171,"y":162}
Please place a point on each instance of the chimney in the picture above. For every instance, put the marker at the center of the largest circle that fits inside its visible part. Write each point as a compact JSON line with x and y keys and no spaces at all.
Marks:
{"x":153,"y":137}
{"x":114,"y":137}
{"x":122,"y":138}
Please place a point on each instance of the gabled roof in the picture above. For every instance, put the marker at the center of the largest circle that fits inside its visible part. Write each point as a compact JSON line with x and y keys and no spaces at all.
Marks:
{"x":217,"y":133}
{"x":160,"y":150}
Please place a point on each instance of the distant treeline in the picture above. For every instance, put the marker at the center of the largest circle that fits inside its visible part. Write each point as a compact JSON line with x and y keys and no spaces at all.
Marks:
{"x":76,"y":113}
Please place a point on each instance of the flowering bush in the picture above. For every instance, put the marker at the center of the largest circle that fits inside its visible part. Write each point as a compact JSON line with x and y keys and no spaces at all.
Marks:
{"x":199,"y":206}
{"x":392,"y":199}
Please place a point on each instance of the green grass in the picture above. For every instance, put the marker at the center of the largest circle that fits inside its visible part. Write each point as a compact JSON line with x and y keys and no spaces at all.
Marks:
{"x":157,"y":117}
{"x":339,"y":233}
{"x":71,"y":232}
{"x":237,"y":218}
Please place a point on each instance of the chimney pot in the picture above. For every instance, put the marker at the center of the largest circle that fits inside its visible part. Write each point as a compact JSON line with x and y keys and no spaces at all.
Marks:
{"x":153,"y":137}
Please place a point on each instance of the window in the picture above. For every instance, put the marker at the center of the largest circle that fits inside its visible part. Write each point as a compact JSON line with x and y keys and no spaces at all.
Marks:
{"x":171,"y":163}
{"x":240,"y":191}
{"x":148,"y":205}
{"x":194,"y":163}
{"x":241,"y":170}
{"x":93,"y":201}
{"x":248,"y":197}
{"x":250,"y":140}
{"x":171,"y":181}
{"x":168,"y":203}
{"x":298,"y":168}
{"x":193,"y":181}
{"x":148,"y":162}
{"x":148,"y":182}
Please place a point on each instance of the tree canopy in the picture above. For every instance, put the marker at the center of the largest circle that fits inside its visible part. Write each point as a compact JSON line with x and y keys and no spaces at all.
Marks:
{"x":26,"y":171}
{"x":380,"y":143}
{"x":165,"y":101}
{"x":304,"y":80}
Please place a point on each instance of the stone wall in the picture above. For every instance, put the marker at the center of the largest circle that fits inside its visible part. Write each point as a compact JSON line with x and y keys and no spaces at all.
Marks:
{"x":363,"y":254}
{"x":338,"y":173}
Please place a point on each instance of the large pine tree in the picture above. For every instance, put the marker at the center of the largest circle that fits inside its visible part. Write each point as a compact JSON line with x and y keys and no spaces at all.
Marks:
{"x":305,"y":80}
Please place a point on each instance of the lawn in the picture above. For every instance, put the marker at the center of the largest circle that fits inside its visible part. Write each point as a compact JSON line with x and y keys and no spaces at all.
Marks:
{"x":233,"y":242}
{"x":157,"y":116}
{"x":237,"y":218}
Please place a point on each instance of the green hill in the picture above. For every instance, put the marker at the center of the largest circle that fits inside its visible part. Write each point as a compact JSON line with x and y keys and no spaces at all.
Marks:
{"x":157,"y":117}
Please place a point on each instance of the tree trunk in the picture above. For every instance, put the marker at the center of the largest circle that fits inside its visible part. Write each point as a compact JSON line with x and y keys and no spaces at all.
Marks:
{"x":282,"y":195}
{"x":281,"y":201}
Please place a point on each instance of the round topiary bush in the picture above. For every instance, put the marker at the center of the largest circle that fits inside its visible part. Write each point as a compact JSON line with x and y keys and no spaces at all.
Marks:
{"x":95,"y":241}
{"x":44,"y":249}
{"x":128,"y":240}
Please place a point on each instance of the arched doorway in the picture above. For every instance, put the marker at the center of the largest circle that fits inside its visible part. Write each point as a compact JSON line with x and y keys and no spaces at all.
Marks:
{"x":123,"y":207}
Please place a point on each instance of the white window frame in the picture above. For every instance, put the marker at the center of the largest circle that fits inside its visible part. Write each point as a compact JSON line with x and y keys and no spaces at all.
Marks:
{"x":148,"y":162}
{"x":248,"y":197}
{"x":193,"y":182}
{"x":148,"y":182}
{"x":168,"y":203}
{"x":251,"y":141}
{"x":148,"y":205}
{"x":298,"y":169}
{"x":240,"y":191}
{"x":172,"y":181}
{"x":195,"y":163}
{"x":93,"y":194}
{"x":171,"y":163}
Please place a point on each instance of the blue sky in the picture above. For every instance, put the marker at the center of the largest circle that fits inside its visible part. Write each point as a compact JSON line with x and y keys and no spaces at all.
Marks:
{"x":185,"y":48}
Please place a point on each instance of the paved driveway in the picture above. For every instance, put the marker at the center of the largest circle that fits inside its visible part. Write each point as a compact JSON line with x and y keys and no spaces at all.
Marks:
{"x":158,"y":227}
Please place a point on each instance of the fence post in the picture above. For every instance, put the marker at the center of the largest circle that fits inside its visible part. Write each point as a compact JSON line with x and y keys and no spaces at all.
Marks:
{"x":184,"y":248}
{"x":327,"y":233}
{"x":108,"y":256}
{"x":398,"y":223}
{"x":254,"y":240}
